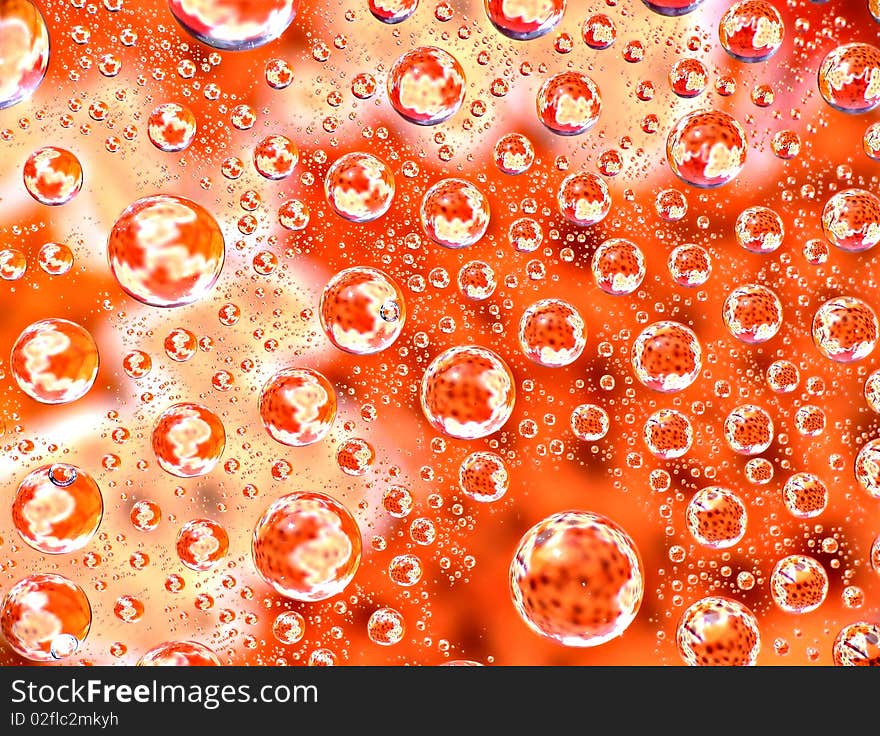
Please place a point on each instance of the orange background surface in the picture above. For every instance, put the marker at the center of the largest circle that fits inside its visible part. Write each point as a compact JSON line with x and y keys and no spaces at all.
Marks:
{"x":457,"y":611}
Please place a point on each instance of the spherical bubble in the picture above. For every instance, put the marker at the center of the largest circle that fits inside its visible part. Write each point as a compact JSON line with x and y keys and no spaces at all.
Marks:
{"x":426,"y":85}
{"x":289,"y":627}
{"x":667,"y":357}
{"x":405,"y":570}
{"x":363,"y":85}
{"x":707,"y":149}
{"x":454,"y":213}
{"x":759,"y":230}
{"x":234,"y":25}
{"x":589,"y":422}
{"x":718,"y":631}
{"x":359,"y":187}
{"x":598,"y":32}
{"x":584,"y":199}
{"x":232,"y":167}
{"x":57,"y":509}
{"x":845,"y":329}
{"x":688,"y":77}
{"x":810,"y":421}
{"x":762,"y":95}
{"x":857,"y":645}
{"x":569,"y":103}
{"x":752,"y":313}
{"x":577,"y":578}
{"x":137,"y":364}
{"x":786,"y":144}
{"x":871,"y":142}
{"x":483,"y":477}
{"x":278,"y":74}
{"x":63,"y":646}
{"x":24,"y":40}
{"x":128,"y":609}
{"x":322,"y":658}
{"x":166,"y":251}
{"x":467,"y":392}
{"x":201,"y":544}
{"x":13,"y":264}
{"x":660,"y":481}
{"x":868,"y":467}
{"x":716,"y":518}
{"x":690,"y":265}
{"x":525,"y":235}
{"x":54,"y":361}
{"x":514,"y":154}
{"x":275,"y":157}
{"x":610,"y":163}
{"x":751,"y":30}
{"x":673,"y":7}
{"x":849,"y":78}
{"x":393,"y":11}
{"x":748,"y":430}
{"x":668,"y":434}
{"x":45,"y":617}
{"x":524,"y":20}
{"x":386,"y":627}
{"x":798,"y":584}
{"x":180,"y":345}
{"x":188,"y":440}
{"x":179,"y":654}
{"x":355,"y":456}
{"x":145,"y":515}
{"x":476,"y":280}
{"x":853,"y":596}
{"x":759,"y":471}
{"x":783,"y":376}
{"x":56,"y":259}
{"x":362,"y":310}
{"x":805,"y":495}
{"x":171,"y":127}
{"x":618,"y":266}
{"x":422,"y":531}
{"x":851,"y":218}
{"x":307,"y":546}
{"x":872,"y":391}
{"x":243,"y":117}
{"x":52,"y":176}
{"x":397,"y":501}
{"x":552,"y":333}
{"x":671,"y":205}
{"x":634,"y":52}
{"x":815,"y":251}
{"x":294,"y":215}
{"x":297,"y":406}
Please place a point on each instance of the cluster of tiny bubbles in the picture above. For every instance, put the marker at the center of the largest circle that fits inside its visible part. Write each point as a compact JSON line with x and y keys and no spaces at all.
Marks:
{"x":388,"y":301}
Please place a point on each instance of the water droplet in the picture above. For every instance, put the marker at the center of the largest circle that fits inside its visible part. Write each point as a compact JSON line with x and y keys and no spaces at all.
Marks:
{"x":62,"y":474}
{"x":390,"y":311}
{"x":63,"y":646}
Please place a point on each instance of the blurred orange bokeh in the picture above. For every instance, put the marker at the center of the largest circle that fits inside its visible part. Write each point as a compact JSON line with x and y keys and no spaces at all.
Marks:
{"x":462,"y":608}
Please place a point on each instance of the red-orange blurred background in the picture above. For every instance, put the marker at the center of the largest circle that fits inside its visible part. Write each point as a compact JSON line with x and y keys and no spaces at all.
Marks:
{"x":462,"y":608}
